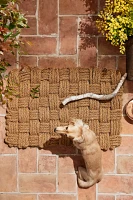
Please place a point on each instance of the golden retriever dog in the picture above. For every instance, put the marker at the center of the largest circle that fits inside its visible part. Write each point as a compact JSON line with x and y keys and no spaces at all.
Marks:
{"x":85,"y":140}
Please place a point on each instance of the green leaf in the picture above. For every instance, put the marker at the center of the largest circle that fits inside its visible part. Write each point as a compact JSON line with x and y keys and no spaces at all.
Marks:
{"x":11,"y":26}
{"x":3,"y":2}
{"x":6,"y":36}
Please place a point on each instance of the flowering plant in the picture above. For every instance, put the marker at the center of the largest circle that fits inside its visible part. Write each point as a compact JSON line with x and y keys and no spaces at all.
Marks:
{"x":116,"y":22}
{"x":12,"y":21}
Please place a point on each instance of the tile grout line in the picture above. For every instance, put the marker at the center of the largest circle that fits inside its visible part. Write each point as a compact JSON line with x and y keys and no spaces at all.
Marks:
{"x":17,"y":57}
{"x":96,"y":191}
{"x":17,"y":171}
{"x":98,"y":3}
{"x":113,"y":194}
{"x":51,"y":55}
{"x":41,"y":36}
{"x":37,"y":17}
{"x":118,"y":174}
{"x":117,"y":60}
{"x":127,"y":155}
{"x":77,"y":191}
{"x":17,"y":54}
{"x":37,"y":160}
{"x":115,"y":162}
{"x":37,"y":27}
{"x":79,"y":15}
{"x":37,"y":61}
{"x":4,"y":155}
{"x":77,"y":42}
{"x":57,"y":173}
{"x":97,"y":38}
{"x":97,"y":50}
{"x":2,"y":115}
{"x":58,"y":30}
{"x":38,"y":193}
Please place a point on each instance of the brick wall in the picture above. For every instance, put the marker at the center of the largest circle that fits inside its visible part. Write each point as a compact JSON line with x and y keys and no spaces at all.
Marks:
{"x":53,"y":40}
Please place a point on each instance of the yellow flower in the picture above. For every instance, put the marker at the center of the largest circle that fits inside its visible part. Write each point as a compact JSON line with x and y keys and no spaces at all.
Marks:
{"x":115,"y":22}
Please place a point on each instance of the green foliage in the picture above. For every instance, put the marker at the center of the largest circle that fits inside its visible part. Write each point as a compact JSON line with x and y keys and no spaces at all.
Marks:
{"x":116,"y":22}
{"x":12,"y":21}
{"x":34,"y":93}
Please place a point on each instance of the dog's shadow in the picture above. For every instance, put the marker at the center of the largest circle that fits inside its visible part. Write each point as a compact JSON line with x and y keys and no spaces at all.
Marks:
{"x":69,"y":156}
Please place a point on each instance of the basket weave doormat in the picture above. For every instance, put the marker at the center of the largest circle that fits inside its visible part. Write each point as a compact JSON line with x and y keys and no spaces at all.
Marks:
{"x":31,"y":121}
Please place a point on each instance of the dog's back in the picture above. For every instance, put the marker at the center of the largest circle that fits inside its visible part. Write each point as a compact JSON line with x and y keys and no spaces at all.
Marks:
{"x":92,"y":155}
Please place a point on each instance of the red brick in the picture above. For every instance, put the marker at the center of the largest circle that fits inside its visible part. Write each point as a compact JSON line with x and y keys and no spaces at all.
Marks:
{"x":59,"y":62}
{"x":8,"y":174}
{"x":105,"y":47}
{"x":108,"y":62}
{"x":11,"y":59}
{"x":115,"y":184}
{"x":27,"y":160}
{"x":47,"y":164}
{"x":127,"y":125}
{"x":122,"y":64}
{"x":66,"y":165}
{"x":87,"y":194}
{"x":126,"y":145}
{"x":67,"y":182}
{"x":28,"y":61}
{"x":3,"y":109}
{"x":47,"y":16}
{"x":68,"y":35}
{"x":28,"y":7}
{"x":32,"y":30}
{"x":108,"y":161}
{"x":17,"y":197}
{"x":106,"y":197}
{"x":57,"y":197}
{"x":37,"y":183}
{"x":78,"y":7}
{"x":4,"y":149}
{"x":58,"y":150}
{"x":39,"y":45}
{"x":87,"y":26}
{"x":102,"y":4}
{"x":128,"y":87}
{"x":126,"y":197}
{"x":87,"y":52}
{"x":125,"y":164}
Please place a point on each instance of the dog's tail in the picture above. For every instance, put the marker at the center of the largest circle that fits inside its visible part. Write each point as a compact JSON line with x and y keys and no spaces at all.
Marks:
{"x":86,"y":184}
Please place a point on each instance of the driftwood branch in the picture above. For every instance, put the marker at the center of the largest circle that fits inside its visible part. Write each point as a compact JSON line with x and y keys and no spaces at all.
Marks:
{"x":96,"y":96}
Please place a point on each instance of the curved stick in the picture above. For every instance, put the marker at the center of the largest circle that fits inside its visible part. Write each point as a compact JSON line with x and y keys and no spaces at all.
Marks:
{"x":96,"y":96}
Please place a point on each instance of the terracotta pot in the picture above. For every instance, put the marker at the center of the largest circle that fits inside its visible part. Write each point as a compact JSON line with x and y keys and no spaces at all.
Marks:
{"x":129,"y":109}
{"x":129,"y":58}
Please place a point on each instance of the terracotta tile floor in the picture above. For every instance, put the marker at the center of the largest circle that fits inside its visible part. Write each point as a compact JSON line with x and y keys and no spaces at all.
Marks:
{"x":33,"y":174}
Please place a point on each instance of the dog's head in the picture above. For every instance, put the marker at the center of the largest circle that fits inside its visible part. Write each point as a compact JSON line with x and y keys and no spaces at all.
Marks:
{"x":73,"y":130}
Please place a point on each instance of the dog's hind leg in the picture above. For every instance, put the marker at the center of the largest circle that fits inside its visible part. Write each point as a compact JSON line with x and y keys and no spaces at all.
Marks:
{"x":82,"y":174}
{"x":84,"y":180}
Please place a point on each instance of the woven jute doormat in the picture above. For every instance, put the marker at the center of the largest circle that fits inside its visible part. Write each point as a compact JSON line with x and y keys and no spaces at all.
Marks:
{"x":34,"y":110}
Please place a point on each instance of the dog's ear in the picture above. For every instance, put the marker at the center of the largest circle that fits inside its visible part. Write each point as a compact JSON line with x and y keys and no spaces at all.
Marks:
{"x":72,"y":122}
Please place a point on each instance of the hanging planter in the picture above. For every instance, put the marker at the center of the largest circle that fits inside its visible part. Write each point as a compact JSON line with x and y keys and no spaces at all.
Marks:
{"x":129,"y":58}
